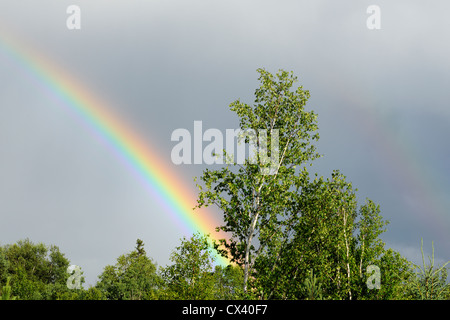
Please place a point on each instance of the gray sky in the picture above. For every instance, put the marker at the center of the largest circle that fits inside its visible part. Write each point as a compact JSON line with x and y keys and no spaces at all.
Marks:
{"x":381,"y":96}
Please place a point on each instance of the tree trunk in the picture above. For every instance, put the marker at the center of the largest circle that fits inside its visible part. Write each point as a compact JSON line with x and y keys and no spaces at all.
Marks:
{"x":347,"y":254}
{"x":251,"y":229}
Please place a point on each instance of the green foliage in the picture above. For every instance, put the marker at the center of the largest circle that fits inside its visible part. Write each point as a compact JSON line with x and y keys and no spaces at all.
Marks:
{"x":35,"y":270}
{"x":430,"y":282}
{"x":228,"y":282}
{"x":312,"y":288}
{"x":133,"y":277}
{"x":284,"y":224}
{"x":92,"y":293}
{"x":259,"y":209}
{"x":6,"y":291}
{"x":338,"y":239}
{"x":190,"y":276}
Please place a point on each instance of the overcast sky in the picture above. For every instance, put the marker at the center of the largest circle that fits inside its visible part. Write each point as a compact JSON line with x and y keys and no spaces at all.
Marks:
{"x":381,"y":97}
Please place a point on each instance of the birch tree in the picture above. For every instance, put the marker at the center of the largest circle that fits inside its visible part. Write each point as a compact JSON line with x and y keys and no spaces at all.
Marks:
{"x":258,"y":208}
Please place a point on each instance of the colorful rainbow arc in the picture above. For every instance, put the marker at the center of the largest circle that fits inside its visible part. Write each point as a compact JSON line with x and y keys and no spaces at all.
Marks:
{"x":166,"y":188}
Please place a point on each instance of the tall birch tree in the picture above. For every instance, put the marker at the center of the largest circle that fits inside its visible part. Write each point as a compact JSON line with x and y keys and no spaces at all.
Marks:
{"x":259,"y":208}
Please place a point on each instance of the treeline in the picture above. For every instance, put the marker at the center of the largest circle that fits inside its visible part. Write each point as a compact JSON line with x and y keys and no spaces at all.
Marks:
{"x":31,"y":271}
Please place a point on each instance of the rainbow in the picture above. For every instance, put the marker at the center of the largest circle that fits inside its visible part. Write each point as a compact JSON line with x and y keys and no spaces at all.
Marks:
{"x":156,"y":175}
{"x":406,"y":169}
